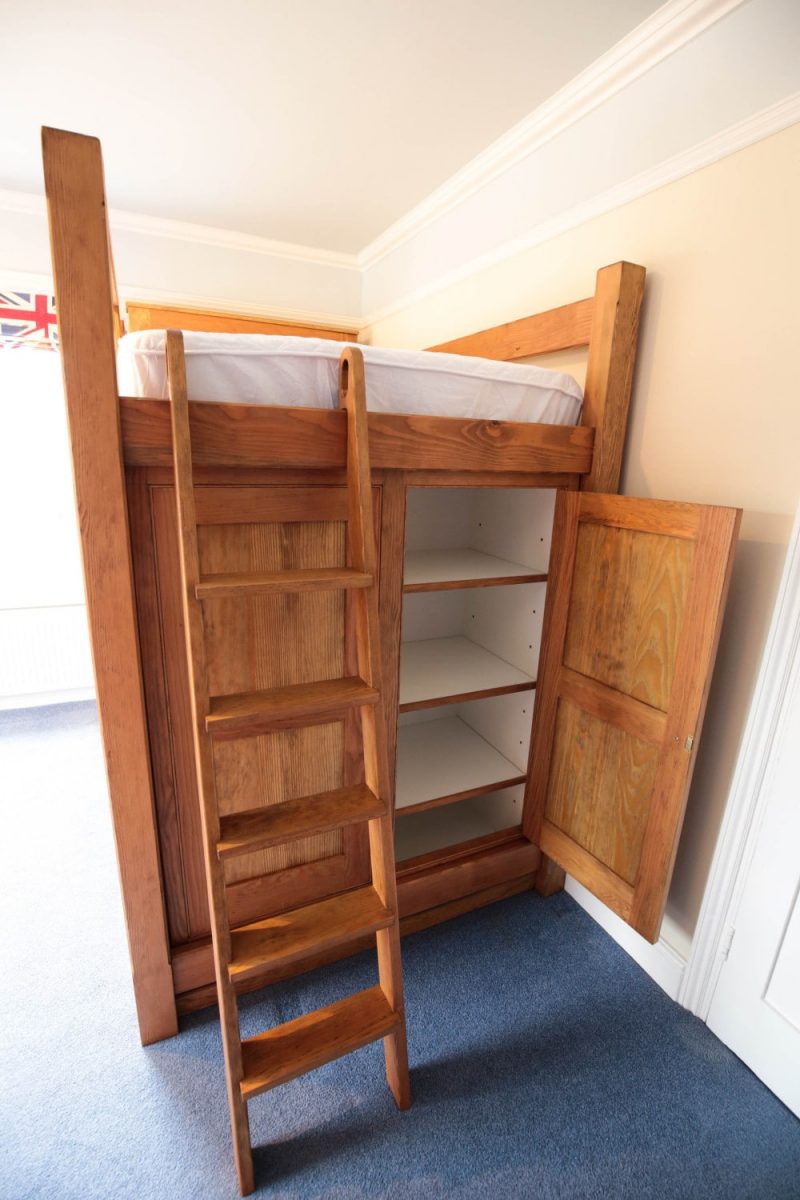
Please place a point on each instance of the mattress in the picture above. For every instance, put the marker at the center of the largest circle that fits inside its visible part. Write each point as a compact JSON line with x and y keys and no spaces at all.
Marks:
{"x":253,"y":368}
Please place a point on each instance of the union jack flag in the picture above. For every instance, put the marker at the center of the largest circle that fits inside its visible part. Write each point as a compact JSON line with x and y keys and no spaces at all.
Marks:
{"x":27,"y":319}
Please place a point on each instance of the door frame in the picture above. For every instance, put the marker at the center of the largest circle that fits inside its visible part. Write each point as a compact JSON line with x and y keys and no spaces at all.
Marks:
{"x":749,"y":794}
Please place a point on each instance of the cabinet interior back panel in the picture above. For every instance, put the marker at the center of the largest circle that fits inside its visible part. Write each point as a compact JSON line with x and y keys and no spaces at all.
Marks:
{"x":439,"y":518}
{"x":504,"y":722}
{"x":508,"y":622}
{"x":509,"y":523}
{"x":435,"y":828}
{"x":514,"y":523}
{"x":434,"y":615}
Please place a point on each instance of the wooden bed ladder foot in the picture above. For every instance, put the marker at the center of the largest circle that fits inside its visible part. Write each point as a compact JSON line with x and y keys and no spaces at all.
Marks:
{"x":280,"y":1054}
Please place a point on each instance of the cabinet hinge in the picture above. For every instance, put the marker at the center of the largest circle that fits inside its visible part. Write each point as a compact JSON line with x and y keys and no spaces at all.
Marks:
{"x":687,"y":745}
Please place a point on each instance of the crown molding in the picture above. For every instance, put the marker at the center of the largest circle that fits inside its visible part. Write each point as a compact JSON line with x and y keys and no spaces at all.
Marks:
{"x":199,"y":235}
{"x":228,"y":239}
{"x":660,"y":35}
{"x":736,"y":137}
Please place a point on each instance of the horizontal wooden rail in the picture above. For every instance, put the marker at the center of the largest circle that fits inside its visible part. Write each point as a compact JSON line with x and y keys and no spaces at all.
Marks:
{"x":545,"y":333}
{"x":248,"y":435}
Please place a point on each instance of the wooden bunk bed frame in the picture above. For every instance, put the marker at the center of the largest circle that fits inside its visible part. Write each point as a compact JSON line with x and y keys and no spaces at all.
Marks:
{"x":122,"y":454}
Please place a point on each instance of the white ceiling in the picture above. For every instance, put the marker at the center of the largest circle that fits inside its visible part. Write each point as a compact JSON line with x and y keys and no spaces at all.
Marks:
{"x":317,"y":122}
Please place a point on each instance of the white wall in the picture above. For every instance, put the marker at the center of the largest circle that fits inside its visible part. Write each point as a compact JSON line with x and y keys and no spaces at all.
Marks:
{"x":715,"y":415}
{"x":170,"y":262}
{"x":44,"y":640}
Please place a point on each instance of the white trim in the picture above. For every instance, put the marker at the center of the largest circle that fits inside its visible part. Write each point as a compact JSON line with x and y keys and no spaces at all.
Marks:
{"x":662,"y":962}
{"x":294,"y":316}
{"x":660,"y":35}
{"x":26,"y":281}
{"x":33,"y":204}
{"x":41,"y":699}
{"x":736,"y":137}
{"x":748,"y":794}
{"x":228,"y":239}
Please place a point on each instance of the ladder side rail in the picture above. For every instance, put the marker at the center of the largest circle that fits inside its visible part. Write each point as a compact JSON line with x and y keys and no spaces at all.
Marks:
{"x":199,"y":696}
{"x":363,"y":557}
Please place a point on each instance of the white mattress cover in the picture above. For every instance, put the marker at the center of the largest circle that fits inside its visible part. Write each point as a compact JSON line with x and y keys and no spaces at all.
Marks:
{"x":255,"y":368}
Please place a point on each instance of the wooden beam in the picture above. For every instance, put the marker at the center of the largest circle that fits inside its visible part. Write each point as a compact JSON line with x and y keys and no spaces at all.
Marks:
{"x":544,"y":333}
{"x":609,"y":370}
{"x":73,"y":173}
{"x":140,"y":315}
{"x":253,"y":435}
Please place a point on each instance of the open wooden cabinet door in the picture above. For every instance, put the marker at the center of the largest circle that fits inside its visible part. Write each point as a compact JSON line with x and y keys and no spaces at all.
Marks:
{"x":634,"y":605}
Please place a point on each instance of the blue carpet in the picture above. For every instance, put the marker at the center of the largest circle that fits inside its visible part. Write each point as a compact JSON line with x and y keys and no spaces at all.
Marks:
{"x":544,"y":1062}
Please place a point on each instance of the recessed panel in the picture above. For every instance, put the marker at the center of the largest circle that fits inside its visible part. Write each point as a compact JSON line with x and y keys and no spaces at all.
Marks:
{"x":626,"y":609}
{"x":252,"y":772}
{"x":272,"y":641}
{"x":599,"y":790}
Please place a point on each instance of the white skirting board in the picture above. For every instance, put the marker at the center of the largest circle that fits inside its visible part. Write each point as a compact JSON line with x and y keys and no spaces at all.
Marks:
{"x":662,"y":962}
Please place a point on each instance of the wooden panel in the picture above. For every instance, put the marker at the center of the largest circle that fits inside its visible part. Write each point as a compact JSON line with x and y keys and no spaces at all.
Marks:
{"x":260,"y":643}
{"x":244,"y":505}
{"x":616,"y":708}
{"x":73,"y":172}
{"x":558,"y":329}
{"x":618,"y":575}
{"x":270,"y":768}
{"x":601,"y":881}
{"x":631,"y":629}
{"x":672,"y":518}
{"x":140,"y":315}
{"x":601,"y":779}
{"x":418,"y":890}
{"x":246,"y":435}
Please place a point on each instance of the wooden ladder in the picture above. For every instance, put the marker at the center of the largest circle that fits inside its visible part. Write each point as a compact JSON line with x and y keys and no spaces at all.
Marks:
{"x":283,"y":1053}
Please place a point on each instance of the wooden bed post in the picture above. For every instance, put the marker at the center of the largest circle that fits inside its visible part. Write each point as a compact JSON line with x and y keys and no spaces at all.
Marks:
{"x":609,"y":370}
{"x":606,"y":397}
{"x":82,"y":270}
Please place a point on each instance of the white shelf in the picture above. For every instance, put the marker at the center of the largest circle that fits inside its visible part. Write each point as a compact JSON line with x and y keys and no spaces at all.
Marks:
{"x":436,"y":828}
{"x":447,"y":760}
{"x":430,"y":570}
{"x":442,"y":670}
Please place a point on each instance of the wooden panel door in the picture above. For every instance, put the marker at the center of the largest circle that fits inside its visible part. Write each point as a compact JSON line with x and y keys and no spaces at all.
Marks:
{"x":252,"y":643}
{"x":635,"y":598}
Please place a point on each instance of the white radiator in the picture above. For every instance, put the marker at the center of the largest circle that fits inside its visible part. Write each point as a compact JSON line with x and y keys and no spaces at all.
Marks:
{"x":44,"y":656}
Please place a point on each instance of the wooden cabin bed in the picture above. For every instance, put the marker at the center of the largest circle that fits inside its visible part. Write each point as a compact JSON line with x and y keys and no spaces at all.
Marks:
{"x":269,"y":490}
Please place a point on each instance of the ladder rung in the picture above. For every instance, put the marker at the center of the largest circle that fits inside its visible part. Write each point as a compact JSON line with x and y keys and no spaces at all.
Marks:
{"x":289,"y":1050}
{"x":257,"y":828}
{"x":251,"y":713}
{"x":314,"y":928}
{"x":322,"y":579}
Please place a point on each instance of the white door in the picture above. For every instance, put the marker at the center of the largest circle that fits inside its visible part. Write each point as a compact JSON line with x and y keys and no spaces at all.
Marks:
{"x":755,"y":1007}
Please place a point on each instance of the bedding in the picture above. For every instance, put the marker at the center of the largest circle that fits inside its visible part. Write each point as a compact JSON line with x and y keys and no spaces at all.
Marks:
{"x":286,"y":371}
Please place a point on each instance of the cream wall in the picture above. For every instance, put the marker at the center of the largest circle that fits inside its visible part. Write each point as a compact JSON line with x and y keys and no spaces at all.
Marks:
{"x":716,"y":412}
